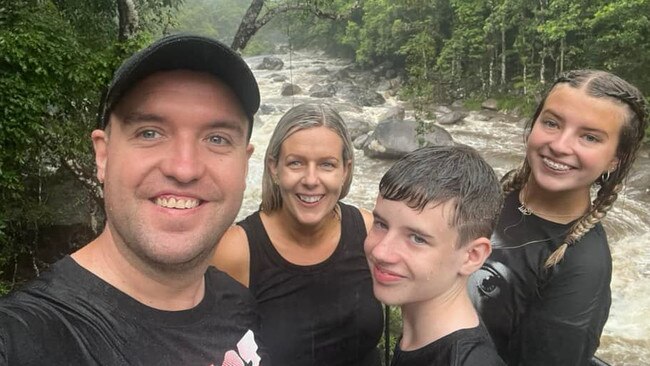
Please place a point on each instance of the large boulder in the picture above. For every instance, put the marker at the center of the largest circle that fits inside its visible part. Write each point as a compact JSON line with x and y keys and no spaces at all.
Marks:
{"x":357,"y":126}
{"x":339,"y":75}
{"x":395,"y":113}
{"x":322,"y":91}
{"x":289,"y":89}
{"x":452,"y":118}
{"x":267,"y":109}
{"x":394,"y":139}
{"x":490,"y":104}
{"x":271,"y":63}
{"x":361,"y":96}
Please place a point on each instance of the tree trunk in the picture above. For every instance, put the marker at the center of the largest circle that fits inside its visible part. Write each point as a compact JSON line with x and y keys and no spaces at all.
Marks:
{"x":503,"y":55}
{"x":253,"y":22}
{"x":562,"y":55}
{"x":248,"y":26}
{"x":542,"y":70}
{"x":491,"y":72}
{"x":525,"y":80}
{"x":128,"y":17}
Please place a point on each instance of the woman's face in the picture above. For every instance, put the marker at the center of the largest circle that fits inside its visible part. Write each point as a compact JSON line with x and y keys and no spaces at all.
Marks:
{"x":310,"y":173}
{"x":574,"y":139}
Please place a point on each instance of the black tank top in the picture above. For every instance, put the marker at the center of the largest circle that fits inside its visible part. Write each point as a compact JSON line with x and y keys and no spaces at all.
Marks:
{"x":322,"y":314}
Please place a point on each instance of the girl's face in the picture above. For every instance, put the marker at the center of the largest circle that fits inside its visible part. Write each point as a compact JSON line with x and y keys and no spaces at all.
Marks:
{"x":311,"y":172}
{"x":574,"y":140}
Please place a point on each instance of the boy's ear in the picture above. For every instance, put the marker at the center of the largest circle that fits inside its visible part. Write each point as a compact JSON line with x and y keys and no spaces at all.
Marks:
{"x":476,"y":252}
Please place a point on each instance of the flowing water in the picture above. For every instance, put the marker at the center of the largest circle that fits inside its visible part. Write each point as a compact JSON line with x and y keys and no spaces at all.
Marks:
{"x":626,"y":338}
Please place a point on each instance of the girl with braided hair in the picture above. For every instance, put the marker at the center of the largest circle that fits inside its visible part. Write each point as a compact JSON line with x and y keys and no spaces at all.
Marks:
{"x":544,"y":292}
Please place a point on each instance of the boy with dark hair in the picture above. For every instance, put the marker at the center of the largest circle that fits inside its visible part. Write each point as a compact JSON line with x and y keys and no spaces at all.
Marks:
{"x":433,"y":218}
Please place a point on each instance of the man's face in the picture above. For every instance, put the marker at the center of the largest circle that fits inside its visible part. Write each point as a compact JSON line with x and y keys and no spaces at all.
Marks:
{"x":173,"y":161}
{"x":413,"y":254}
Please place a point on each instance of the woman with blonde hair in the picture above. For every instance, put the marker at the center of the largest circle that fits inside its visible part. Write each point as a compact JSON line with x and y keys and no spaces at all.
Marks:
{"x":544,"y":293}
{"x":301,"y":254}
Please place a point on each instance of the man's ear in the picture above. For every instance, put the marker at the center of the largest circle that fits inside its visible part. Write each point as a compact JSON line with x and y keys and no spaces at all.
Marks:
{"x":100,"y":142}
{"x":476,"y":252}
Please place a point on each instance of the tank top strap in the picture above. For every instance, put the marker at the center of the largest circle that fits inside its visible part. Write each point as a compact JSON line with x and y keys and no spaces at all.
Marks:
{"x":352,"y":224}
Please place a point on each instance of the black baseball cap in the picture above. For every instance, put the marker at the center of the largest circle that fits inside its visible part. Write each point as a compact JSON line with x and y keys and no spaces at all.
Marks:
{"x":185,"y":52}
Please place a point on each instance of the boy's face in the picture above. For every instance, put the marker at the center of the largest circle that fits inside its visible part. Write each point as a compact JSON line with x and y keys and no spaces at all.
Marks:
{"x":413,"y":255}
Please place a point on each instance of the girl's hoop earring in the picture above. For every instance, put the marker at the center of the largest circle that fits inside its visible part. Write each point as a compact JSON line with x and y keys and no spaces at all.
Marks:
{"x":605,"y":177}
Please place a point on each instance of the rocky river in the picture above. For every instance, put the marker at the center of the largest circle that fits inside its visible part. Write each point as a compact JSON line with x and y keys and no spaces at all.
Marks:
{"x":365,"y":98}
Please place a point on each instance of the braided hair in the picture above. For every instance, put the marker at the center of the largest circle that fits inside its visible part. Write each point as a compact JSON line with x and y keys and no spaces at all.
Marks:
{"x":598,"y":84}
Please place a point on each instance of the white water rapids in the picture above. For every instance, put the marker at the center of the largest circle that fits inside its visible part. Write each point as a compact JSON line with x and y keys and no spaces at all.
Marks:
{"x":626,"y":338}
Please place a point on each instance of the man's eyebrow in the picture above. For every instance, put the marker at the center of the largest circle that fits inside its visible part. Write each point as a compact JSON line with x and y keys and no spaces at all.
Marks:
{"x":230,"y":124}
{"x":137,"y":117}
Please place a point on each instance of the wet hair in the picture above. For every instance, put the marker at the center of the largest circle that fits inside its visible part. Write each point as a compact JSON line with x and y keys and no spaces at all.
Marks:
{"x":299,"y":118}
{"x":598,"y":84}
{"x":440,"y":174}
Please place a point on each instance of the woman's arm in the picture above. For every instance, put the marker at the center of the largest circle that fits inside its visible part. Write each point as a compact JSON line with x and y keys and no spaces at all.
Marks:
{"x":232,"y":255}
{"x":564,"y":325}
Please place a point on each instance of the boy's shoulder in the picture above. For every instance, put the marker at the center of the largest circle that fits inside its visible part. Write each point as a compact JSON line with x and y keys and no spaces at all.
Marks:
{"x":464,"y":347}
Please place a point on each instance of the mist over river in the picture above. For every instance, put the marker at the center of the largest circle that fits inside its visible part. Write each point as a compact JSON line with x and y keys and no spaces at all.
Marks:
{"x":626,"y":338}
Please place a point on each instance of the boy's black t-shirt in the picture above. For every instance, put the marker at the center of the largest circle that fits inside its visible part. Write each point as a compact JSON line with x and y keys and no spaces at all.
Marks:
{"x":464,"y":347}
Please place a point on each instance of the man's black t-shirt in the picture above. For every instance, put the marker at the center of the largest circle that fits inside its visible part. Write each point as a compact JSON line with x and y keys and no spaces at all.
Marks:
{"x":464,"y":347}
{"x":539,"y":316}
{"x":69,"y":316}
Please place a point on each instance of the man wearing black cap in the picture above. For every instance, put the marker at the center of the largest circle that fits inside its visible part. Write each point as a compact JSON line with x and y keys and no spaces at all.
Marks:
{"x":172,"y":152}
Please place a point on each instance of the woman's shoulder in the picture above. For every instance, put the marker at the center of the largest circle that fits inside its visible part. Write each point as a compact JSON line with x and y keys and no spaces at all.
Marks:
{"x":352,"y":210}
{"x":232,"y":254}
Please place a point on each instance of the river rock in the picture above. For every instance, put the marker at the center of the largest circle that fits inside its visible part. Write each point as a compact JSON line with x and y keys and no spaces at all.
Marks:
{"x":322,"y":91}
{"x":489,"y":104}
{"x":271,"y":63}
{"x":346,"y":107}
{"x":451,"y":118}
{"x":279,"y":78}
{"x":290,"y":89}
{"x":458,"y":103}
{"x":267,"y":109}
{"x":357,"y":126}
{"x":339,"y":75}
{"x":360,"y":141}
{"x":361,"y":96}
{"x":319,"y":71}
{"x":394,"y":139}
{"x":437,"y":136}
{"x":442,"y":110}
{"x":395,"y":113}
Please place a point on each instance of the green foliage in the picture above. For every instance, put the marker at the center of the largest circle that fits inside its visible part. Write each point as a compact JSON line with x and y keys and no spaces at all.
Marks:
{"x":214,"y":18}
{"x":56,"y":57}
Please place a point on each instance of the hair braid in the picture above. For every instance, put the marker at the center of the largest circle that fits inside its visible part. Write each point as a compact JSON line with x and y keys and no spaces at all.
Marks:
{"x":516,"y":178}
{"x":601,"y":205}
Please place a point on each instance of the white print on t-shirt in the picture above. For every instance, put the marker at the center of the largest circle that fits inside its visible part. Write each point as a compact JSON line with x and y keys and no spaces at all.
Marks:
{"x":246,"y":354}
